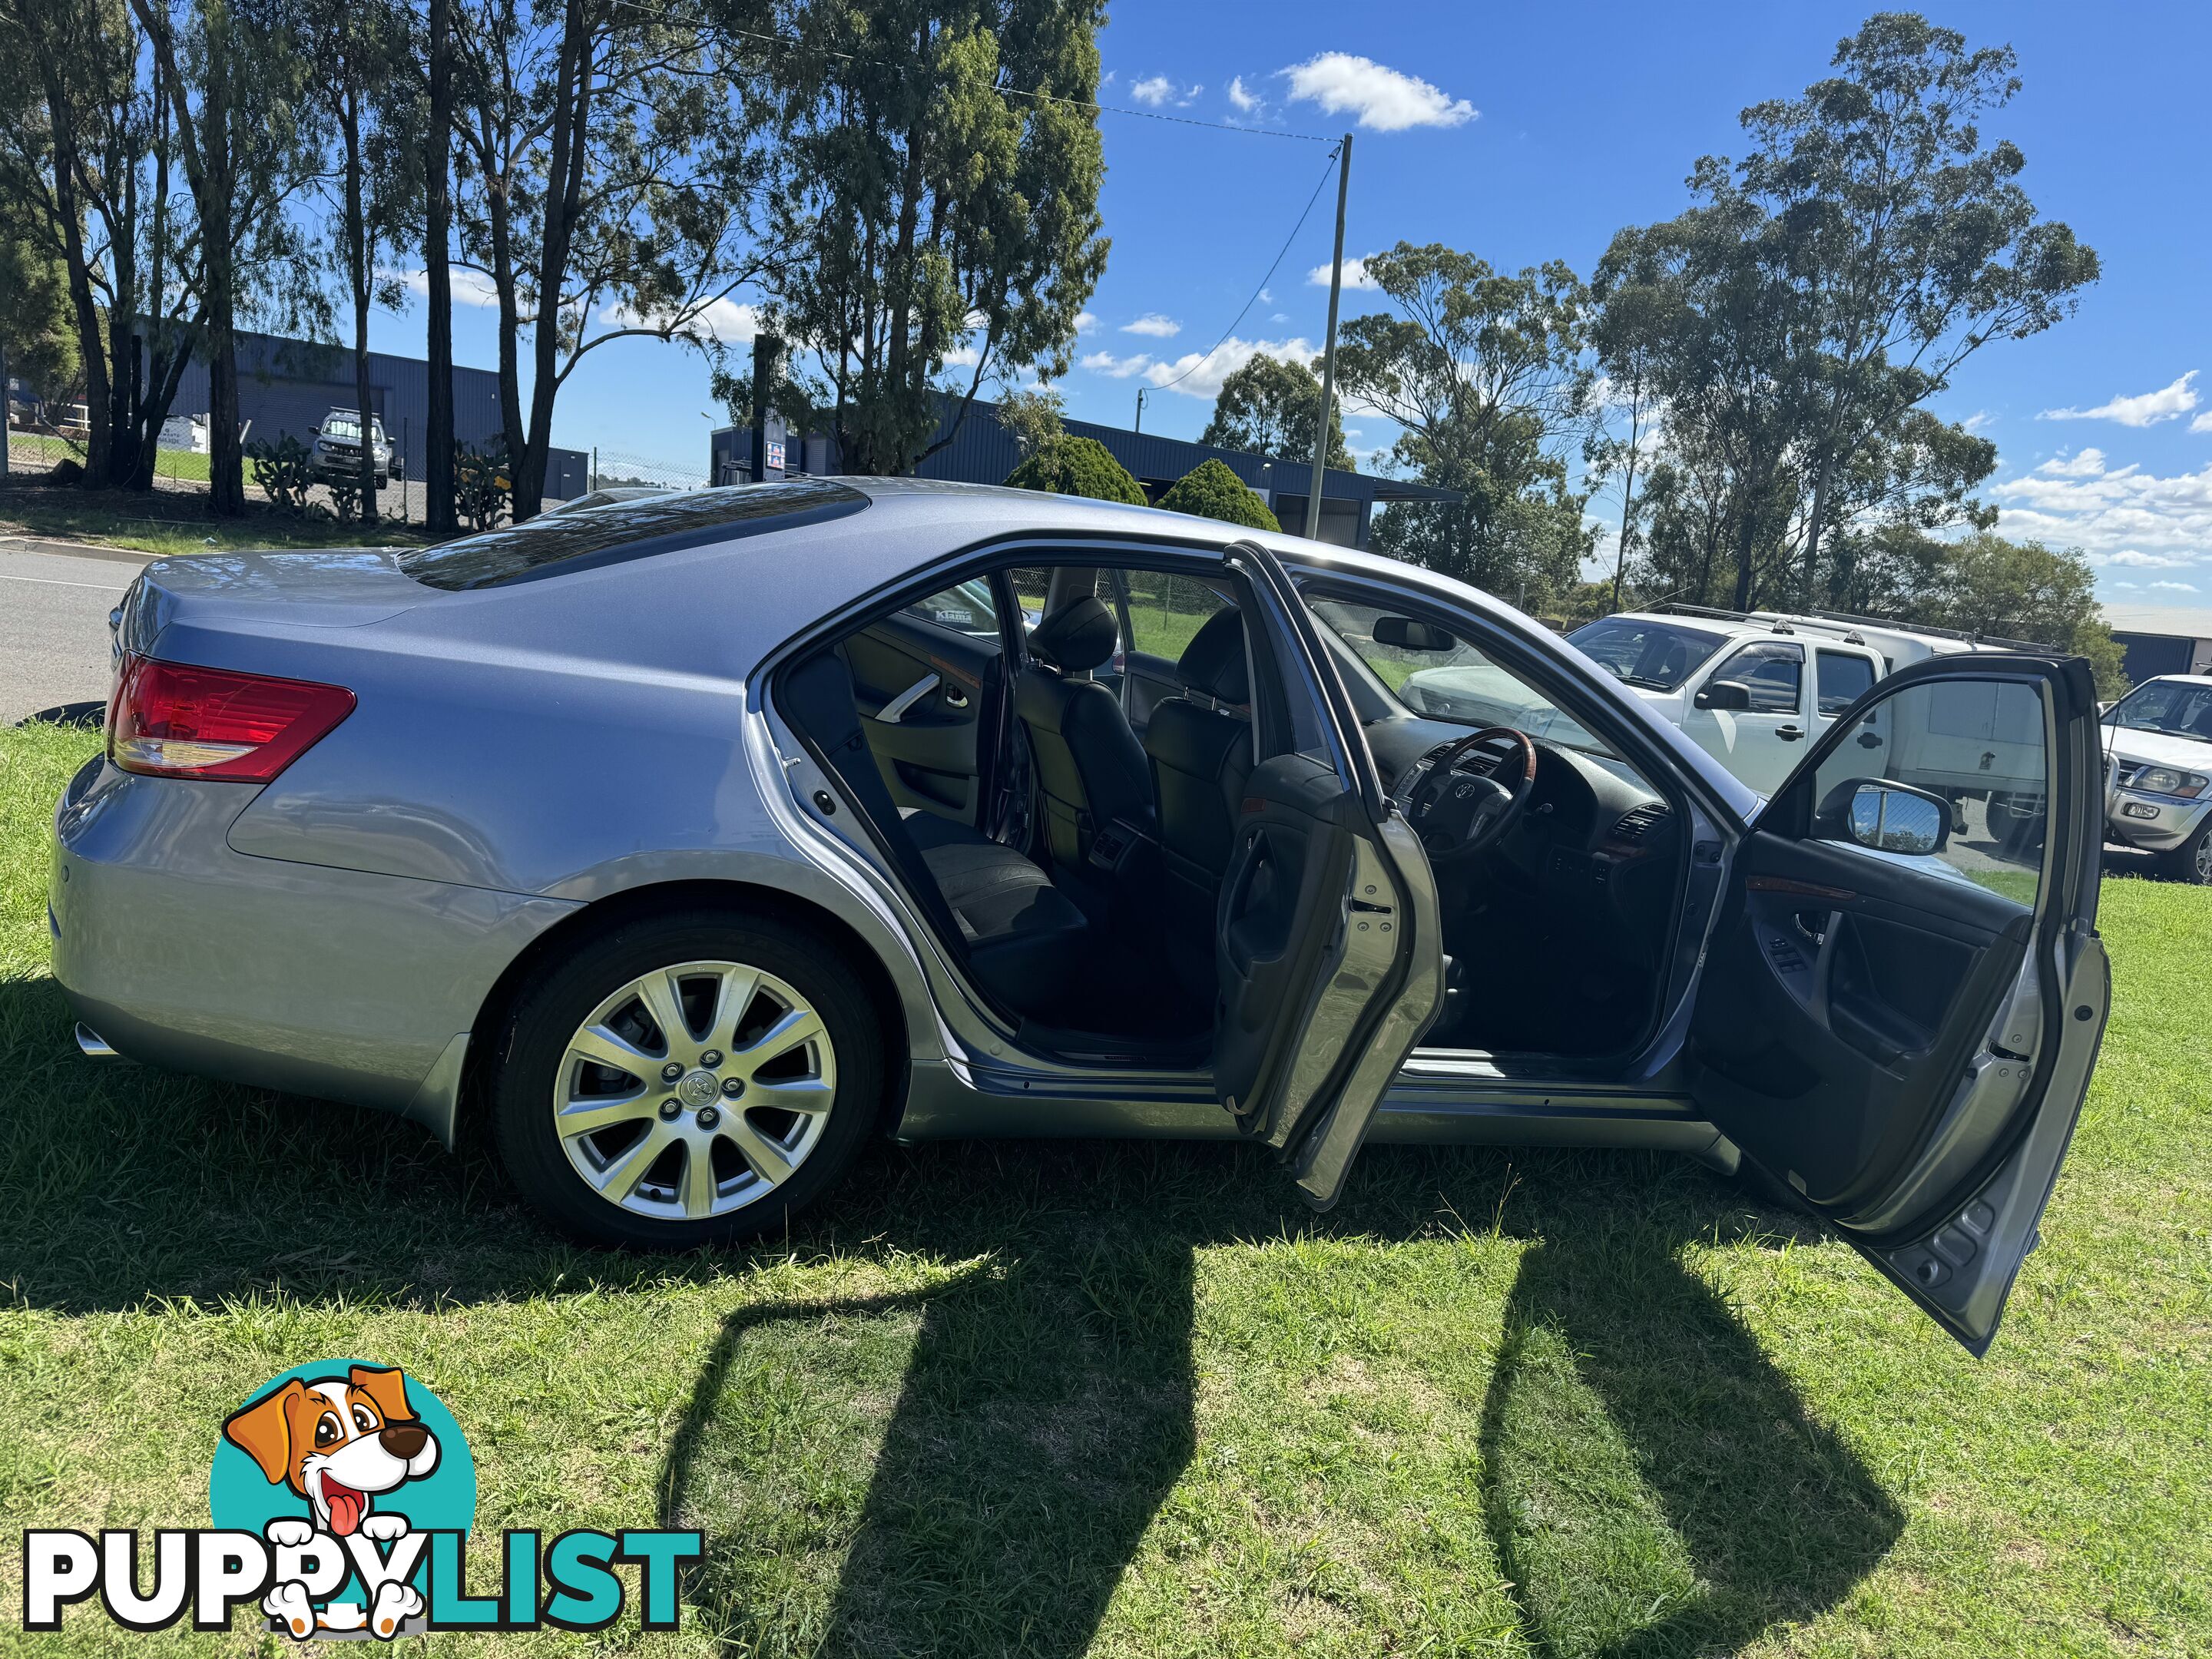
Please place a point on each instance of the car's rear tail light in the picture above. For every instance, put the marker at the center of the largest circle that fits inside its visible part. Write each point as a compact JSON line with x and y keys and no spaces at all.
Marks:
{"x":173,"y":720}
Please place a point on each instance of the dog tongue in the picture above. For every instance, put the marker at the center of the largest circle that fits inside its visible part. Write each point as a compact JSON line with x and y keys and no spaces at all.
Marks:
{"x":346,"y":1505}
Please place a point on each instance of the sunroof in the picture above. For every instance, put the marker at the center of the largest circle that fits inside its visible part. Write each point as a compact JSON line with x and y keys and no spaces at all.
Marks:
{"x":563,"y":543}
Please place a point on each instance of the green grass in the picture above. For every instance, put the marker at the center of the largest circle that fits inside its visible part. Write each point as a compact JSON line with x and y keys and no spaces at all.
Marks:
{"x":168,"y":524}
{"x":1133,"y":1400}
{"x":30,"y":451}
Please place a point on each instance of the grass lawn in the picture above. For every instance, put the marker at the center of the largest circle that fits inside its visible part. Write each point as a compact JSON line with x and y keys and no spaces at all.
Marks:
{"x":169,"y":523}
{"x":1133,"y":1400}
{"x":32,"y":451}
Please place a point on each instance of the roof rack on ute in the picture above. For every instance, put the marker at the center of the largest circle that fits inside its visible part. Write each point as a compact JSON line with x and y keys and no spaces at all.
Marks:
{"x":1786,"y":622}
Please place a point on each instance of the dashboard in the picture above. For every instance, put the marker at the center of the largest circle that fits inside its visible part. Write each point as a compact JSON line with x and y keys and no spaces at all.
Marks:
{"x":1595,"y":842}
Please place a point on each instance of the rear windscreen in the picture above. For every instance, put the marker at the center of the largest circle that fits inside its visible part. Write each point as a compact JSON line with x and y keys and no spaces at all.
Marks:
{"x":561,"y":542}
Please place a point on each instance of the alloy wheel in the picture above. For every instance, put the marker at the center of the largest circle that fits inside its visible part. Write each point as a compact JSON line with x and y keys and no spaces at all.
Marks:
{"x":693,"y":1089}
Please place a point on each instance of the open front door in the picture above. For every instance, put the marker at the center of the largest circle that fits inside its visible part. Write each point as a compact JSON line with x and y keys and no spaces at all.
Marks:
{"x":1902,"y":1002}
{"x":1329,"y":937}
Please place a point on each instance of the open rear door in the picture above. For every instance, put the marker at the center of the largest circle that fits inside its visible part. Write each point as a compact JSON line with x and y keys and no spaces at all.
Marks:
{"x":1902,"y":1002}
{"x":1329,"y":939}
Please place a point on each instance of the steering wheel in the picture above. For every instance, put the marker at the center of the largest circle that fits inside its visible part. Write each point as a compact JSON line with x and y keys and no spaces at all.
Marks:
{"x":1459,"y":814}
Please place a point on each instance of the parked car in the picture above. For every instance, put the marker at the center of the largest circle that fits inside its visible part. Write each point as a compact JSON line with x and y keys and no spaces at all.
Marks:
{"x":686,"y":842}
{"x":2159,"y":738}
{"x":336,"y":455}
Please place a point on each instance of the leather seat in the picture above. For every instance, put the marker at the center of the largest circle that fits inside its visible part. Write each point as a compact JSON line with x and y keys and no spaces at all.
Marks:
{"x":1023,"y":933}
{"x":1200,"y":743}
{"x":1089,"y":763}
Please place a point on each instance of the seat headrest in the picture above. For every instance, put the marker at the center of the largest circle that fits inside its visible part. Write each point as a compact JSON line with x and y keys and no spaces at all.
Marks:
{"x":1213,"y":662}
{"x":1077,"y":637}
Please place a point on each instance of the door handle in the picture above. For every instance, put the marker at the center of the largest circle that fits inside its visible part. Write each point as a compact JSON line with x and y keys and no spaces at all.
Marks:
{"x":955,"y":697}
{"x":1789,"y":733}
{"x":892,"y":712}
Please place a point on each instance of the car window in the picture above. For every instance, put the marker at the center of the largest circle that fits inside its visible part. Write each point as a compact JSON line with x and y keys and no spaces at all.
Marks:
{"x":1974,"y":750}
{"x":966,"y":609}
{"x":1459,"y":684}
{"x":1658,"y":656}
{"x":1166,"y":611}
{"x":2174,"y":707}
{"x":1771,"y":670}
{"x":1842,"y":679}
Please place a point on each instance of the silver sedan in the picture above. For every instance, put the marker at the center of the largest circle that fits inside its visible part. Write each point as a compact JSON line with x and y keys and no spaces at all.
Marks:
{"x":688,"y":841}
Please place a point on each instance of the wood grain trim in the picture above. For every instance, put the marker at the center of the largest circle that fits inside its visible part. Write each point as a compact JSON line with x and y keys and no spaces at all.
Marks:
{"x":1798,"y":888}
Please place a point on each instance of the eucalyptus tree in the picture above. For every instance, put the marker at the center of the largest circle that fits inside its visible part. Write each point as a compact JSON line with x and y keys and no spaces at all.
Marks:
{"x":606,"y":153}
{"x":934,"y":196}
{"x":1486,"y":372}
{"x":1910,"y":235}
{"x":231,"y":77}
{"x":1267,"y":407}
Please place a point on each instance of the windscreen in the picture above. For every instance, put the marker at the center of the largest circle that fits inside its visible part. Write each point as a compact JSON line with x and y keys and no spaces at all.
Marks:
{"x":557,"y":544}
{"x":1658,"y":656}
{"x":2175,"y":708}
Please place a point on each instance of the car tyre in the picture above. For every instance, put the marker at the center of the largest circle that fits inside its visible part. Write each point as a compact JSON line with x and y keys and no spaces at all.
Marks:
{"x":534,"y":1054}
{"x":2192,"y":861}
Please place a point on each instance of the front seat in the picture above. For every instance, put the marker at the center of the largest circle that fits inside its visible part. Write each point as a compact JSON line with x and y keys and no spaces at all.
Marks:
{"x":1199,"y":742}
{"x":1089,"y":762}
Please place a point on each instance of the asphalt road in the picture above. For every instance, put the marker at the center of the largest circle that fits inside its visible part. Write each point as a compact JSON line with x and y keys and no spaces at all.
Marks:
{"x":53,"y":622}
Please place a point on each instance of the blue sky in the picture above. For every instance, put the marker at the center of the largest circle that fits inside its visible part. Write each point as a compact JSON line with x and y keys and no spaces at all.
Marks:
{"x":1528,"y":133}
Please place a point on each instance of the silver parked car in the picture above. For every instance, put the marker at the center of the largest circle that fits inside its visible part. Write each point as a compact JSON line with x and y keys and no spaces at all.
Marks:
{"x":689,"y":840}
{"x":335,"y":455}
{"x":2160,"y":738}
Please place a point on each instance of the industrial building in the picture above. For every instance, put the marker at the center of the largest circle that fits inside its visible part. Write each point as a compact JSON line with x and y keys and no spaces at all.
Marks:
{"x":983,"y":451}
{"x":2161,"y":639}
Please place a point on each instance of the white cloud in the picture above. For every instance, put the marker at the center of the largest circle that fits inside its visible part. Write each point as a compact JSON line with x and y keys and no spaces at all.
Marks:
{"x":963,"y":356}
{"x":1154,"y":323}
{"x":1116,"y":368}
{"x":1204,"y":380}
{"x":2135,"y":559}
{"x":1159,"y":89}
{"x":2145,"y":408}
{"x":2175,"y":588}
{"x":1267,"y":296}
{"x":1280,"y":317}
{"x":2203,"y":422}
{"x":2089,"y":463}
{"x":1979,"y":419}
{"x":1243,"y":99}
{"x":724,"y":320}
{"x":470,"y":287}
{"x":1086,"y":322}
{"x":1355,"y":275}
{"x":2082,"y":503}
{"x":1383,"y":99}
{"x":1106,"y":79}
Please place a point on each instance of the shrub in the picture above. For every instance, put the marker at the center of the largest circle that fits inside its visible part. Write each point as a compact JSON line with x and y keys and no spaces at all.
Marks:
{"x":281,"y":471}
{"x":1211,"y":490}
{"x":1064,"y":464}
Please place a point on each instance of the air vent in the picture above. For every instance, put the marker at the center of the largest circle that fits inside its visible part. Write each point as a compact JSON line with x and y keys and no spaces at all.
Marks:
{"x":1640,"y":821}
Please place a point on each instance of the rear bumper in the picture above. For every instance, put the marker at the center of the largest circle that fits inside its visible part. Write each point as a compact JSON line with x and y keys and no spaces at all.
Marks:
{"x":180,"y":952}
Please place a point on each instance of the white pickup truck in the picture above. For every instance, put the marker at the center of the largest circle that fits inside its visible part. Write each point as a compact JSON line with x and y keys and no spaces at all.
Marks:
{"x":1754,"y":688}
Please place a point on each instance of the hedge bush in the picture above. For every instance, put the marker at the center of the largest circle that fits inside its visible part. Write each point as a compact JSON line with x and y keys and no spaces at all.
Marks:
{"x":1068,"y":465}
{"x":1211,"y":490}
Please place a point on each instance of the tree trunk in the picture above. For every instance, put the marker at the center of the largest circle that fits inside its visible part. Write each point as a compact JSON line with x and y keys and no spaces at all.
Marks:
{"x":356,"y":230}
{"x":1813,"y":532}
{"x":438,"y":437}
{"x":61,"y":119}
{"x":563,"y":203}
{"x":225,"y":471}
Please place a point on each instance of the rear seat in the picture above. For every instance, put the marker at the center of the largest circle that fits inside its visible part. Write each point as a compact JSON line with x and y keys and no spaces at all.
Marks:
{"x":1022,"y":932}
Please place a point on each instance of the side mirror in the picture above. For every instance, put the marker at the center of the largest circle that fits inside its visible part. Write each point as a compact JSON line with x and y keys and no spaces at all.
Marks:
{"x":314,"y":432}
{"x":1886,"y":816}
{"x":1406,"y":634}
{"x":1725,"y":693}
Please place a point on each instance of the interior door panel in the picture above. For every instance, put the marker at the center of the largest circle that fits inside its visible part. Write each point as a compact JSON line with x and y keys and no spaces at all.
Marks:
{"x":1840,"y":1000}
{"x":1900,"y":1020}
{"x":1150,"y":678}
{"x":920,"y":690}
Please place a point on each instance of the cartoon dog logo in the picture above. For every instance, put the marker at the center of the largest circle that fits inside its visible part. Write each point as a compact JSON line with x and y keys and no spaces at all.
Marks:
{"x":340,"y":1442}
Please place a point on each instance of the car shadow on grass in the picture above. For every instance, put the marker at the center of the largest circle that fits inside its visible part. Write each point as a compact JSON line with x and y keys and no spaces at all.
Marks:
{"x":972,"y":1465}
{"x":1651,"y":1483}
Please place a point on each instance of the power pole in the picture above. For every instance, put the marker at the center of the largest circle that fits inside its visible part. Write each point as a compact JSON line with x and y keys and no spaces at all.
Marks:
{"x":1329,"y":352}
{"x":1141,"y":391}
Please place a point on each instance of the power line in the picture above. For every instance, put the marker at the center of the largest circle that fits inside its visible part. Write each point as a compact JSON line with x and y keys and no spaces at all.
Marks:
{"x":1227,"y":333}
{"x":1004,"y":92}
